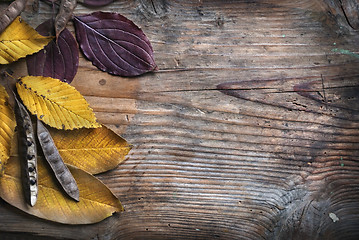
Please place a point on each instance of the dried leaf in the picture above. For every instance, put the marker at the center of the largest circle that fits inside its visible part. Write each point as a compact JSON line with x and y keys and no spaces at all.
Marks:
{"x":114,"y":44}
{"x":96,"y":203}
{"x":7,"y":127}
{"x":52,"y":156}
{"x":95,"y":3}
{"x":11,"y":12}
{"x":58,"y":59}
{"x":93,"y":150}
{"x":19,"y":40}
{"x":65,"y":13}
{"x":56,"y":103}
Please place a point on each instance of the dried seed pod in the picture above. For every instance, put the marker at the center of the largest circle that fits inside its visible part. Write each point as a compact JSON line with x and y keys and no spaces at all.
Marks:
{"x":57,"y":165}
{"x":32,"y":6}
{"x":11,"y":12}
{"x":65,"y":13}
{"x":27,"y":152}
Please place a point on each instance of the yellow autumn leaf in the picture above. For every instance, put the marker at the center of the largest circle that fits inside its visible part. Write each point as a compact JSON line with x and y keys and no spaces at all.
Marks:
{"x":93,"y":150}
{"x":56,"y":103}
{"x":96,"y":203}
{"x":19,"y":40}
{"x":7,"y":126}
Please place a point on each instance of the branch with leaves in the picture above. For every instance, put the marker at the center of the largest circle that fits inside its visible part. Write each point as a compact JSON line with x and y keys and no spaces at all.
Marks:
{"x":54,"y":175}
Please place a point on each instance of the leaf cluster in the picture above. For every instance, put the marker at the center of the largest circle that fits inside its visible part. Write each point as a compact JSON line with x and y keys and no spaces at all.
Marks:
{"x":73,"y":146}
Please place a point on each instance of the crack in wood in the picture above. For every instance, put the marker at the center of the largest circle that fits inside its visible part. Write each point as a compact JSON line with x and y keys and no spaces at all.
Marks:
{"x":153,"y":8}
{"x":324,"y":95}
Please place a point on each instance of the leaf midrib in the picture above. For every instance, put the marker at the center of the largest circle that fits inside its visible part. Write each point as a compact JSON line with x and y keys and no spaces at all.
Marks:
{"x":115,"y":43}
{"x":60,"y":106}
{"x":88,"y":149}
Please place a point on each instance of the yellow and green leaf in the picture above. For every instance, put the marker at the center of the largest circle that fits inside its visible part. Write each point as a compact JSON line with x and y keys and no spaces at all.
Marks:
{"x":96,"y":203}
{"x":7,"y":126}
{"x":56,"y":103}
{"x":93,"y":150}
{"x":19,"y":40}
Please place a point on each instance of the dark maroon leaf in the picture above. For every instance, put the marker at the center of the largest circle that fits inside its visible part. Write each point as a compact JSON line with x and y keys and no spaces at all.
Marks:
{"x":95,"y":3}
{"x":58,"y":59}
{"x":114,"y":44}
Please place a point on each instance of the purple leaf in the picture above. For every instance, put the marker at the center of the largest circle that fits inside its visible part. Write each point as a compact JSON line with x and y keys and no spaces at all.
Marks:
{"x":114,"y":44}
{"x":95,"y":3}
{"x":57,"y":60}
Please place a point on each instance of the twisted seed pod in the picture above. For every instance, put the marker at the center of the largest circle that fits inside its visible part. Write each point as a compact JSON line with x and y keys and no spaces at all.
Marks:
{"x":11,"y":12}
{"x":27,"y":152}
{"x":65,"y":13}
{"x":57,"y":165}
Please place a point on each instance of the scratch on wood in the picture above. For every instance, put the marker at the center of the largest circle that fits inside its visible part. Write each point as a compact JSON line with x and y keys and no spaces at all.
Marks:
{"x":154,"y":7}
{"x":324,"y":95}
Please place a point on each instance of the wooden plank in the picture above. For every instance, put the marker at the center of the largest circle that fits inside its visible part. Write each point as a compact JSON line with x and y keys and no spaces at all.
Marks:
{"x":249,"y":130}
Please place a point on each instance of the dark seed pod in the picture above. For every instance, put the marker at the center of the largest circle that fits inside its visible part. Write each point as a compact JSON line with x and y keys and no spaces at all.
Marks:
{"x":57,"y":165}
{"x":10,"y":13}
{"x":27,"y":152}
{"x":32,"y":6}
{"x":65,"y":13}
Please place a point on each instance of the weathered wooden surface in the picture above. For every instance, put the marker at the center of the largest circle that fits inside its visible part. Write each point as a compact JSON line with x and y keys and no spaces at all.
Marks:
{"x":269,"y":160}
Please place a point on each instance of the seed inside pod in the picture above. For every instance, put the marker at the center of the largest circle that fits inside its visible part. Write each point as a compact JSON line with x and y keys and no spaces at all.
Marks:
{"x":53,"y":157}
{"x":27,"y":152}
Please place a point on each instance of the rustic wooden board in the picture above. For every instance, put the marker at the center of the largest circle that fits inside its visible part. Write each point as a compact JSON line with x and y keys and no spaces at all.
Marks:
{"x":270,"y":159}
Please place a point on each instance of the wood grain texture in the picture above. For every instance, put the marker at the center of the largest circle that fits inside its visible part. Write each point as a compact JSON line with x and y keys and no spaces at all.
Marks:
{"x":248,"y":130}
